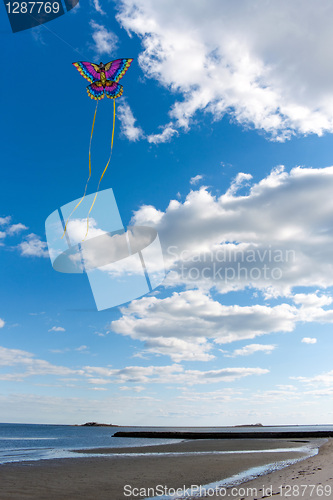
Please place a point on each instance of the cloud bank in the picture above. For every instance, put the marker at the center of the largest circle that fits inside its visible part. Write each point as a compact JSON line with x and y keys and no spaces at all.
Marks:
{"x":263,"y":63}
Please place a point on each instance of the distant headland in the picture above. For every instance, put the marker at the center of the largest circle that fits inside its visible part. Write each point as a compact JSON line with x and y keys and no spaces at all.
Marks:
{"x":95,"y":424}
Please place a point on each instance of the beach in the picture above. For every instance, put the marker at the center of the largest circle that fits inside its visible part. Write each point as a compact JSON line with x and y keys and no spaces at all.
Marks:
{"x":171,"y":466}
{"x":309,"y":479}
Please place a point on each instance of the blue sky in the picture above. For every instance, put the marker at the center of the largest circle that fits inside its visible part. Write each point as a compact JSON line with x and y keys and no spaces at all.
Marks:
{"x":224,"y":144}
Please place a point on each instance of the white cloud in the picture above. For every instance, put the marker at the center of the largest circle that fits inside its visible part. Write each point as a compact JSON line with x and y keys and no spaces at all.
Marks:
{"x":10,"y":229}
{"x":165,"y":136}
{"x":187,"y":325}
{"x":82,"y":348}
{"x":323,"y":379}
{"x":173,"y":374}
{"x":312,"y":300}
{"x":30,"y":365}
{"x":148,"y":215}
{"x":16,"y":229}
{"x":98,"y":381}
{"x":180,"y":349}
{"x":181,"y":324}
{"x":98,"y":7}
{"x":237,"y":183}
{"x":253,"y":348}
{"x":77,"y":230}
{"x":105,"y":41}
{"x":33,"y":247}
{"x":37,"y":33}
{"x":127,"y":121}
{"x":5,"y":220}
{"x":309,"y":340}
{"x":268,"y":239}
{"x":196,"y":179}
{"x":57,"y":329}
{"x":135,"y":388}
{"x":215,"y":243}
{"x":264,"y":63}
{"x":2,"y":323}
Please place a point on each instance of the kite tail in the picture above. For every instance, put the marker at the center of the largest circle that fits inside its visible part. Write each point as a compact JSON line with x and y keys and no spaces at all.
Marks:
{"x":106,"y":167}
{"x":91,"y":135}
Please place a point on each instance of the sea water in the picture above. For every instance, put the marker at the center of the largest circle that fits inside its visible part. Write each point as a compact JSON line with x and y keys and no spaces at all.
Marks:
{"x":29,"y":442}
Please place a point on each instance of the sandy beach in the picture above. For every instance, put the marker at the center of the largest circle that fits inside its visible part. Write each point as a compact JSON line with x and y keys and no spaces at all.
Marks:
{"x":309,"y":479}
{"x":183,"y":464}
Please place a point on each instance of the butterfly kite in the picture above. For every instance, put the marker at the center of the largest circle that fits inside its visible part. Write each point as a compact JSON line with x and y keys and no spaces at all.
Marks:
{"x":103,"y":80}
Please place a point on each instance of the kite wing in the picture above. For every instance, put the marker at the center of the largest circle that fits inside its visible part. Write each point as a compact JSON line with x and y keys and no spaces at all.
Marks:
{"x":113,"y":89}
{"x":96,"y":91}
{"x":88,"y":70}
{"x":114,"y":70}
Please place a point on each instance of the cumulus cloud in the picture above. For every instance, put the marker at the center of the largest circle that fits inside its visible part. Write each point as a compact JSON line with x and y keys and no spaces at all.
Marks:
{"x":309,"y":340}
{"x":105,"y":41}
{"x":148,"y":214}
{"x":57,"y":329}
{"x":267,"y":239}
{"x":2,"y":323}
{"x":264,"y":63}
{"x":187,"y":325}
{"x":238,"y":182}
{"x":33,"y":246}
{"x":312,"y":300}
{"x":77,"y":230}
{"x":127,"y":121}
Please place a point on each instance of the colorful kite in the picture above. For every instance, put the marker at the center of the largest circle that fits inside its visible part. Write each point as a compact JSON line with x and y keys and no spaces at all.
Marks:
{"x":103,"y":80}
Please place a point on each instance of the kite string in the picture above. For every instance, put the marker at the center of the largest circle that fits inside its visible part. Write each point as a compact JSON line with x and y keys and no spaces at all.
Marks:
{"x":106,"y":167}
{"x":91,"y":135}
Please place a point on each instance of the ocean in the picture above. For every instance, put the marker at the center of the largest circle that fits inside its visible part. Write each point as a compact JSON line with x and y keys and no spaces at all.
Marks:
{"x":29,"y":442}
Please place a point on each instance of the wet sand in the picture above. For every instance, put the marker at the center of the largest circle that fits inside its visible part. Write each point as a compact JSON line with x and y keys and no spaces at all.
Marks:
{"x":104,"y":478}
{"x":310,"y":479}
